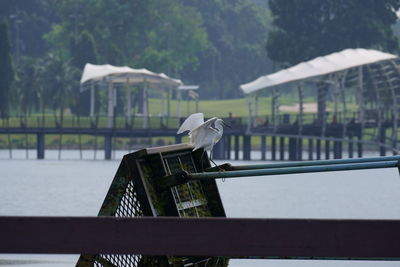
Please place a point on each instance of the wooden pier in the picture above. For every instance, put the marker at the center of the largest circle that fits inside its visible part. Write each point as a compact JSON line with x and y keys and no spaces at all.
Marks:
{"x":281,"y":143}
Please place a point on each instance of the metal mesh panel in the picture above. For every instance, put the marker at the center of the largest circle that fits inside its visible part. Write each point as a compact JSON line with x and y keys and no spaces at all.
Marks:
{"x":129,"y":205}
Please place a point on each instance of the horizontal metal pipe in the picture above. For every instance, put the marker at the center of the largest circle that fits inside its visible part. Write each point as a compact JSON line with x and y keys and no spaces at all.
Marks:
{"x":313,"y":163}
{"x":292,"y":170}
{"x":255,"y":238}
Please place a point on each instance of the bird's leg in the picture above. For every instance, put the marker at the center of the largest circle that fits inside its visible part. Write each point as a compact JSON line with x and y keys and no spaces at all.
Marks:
{"x":211,"y":152}
{"x":220,"y":169}
{"x":212,"y":159}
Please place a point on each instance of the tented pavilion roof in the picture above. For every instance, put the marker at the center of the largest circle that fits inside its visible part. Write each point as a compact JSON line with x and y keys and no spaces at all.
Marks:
{"x":374,"y":76}
{"x":319,"y":66}
{"x":112,"y":75}
{"x":128,"y":75}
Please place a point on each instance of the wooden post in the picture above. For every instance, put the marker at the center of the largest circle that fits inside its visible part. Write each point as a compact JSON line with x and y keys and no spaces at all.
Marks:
{"x":310,"y":149}
{"x":351,"y":147}
{"x":178,"y":139}
{"x":282,"y":148}
{"x":299,"y":145}
{"x":228,"y":146}
{"x":292,"y":149}
{"x":107,"y":146}
{"x":219,"y":149}
{"x":337,"y":150}
{"x":246,"y":147}
{"x":327,"y":149}
{"x":263,"y":147}
{"x":273,"y":147}
{"x":40,"y":145}
{"x":237,"y":147}
{"x":318,"y":148}
{"x":359,"y":146}
{"x":382,"y":141}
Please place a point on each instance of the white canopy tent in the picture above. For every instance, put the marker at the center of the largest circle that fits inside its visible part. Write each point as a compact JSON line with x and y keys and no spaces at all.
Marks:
{"x":122,"y":75}
{"x":339,"y":61}
{"x":382,"y":68}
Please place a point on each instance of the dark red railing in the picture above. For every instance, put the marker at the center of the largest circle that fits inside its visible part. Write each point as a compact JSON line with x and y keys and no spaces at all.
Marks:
{"x":236,"y":238}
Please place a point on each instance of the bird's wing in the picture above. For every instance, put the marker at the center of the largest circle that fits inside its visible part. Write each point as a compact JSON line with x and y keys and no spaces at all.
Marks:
{"x":207,"y":124}
{"x":204,"y":135}
{"x":191,"y":122}
{"x":204,"y":138}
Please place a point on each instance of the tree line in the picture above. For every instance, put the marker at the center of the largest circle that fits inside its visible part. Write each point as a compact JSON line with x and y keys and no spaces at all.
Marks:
{"x":209,"y":43}
{"x":217,"y":44}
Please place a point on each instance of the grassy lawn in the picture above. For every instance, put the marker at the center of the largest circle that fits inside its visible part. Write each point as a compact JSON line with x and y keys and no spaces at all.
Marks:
{"x":210,"y":108}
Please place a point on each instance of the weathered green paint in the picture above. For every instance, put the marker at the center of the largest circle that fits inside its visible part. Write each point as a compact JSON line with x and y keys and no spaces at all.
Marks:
{"x":141,"y":172}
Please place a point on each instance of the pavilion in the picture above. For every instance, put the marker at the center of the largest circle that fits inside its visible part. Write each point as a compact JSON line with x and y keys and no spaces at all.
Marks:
{"x":111,"y":76}
{"x":374,"y":77}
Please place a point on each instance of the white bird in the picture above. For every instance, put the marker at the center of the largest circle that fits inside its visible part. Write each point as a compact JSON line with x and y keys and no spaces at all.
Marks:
{"x":203,"y":134}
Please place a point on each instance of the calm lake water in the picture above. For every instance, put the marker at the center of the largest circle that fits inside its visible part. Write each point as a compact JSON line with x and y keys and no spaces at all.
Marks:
{"x":77,"y":188}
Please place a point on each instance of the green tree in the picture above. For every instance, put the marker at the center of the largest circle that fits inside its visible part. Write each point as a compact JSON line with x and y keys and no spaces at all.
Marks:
{"x":7,"y":75}
{"x":237,"y":32}
{"x":58,"y":79}
{"x":83,"y":50}
{"x":27,"y":85}
{"x":160,"y":35}
{"x":305,"y":29}
{"x":28,"y":20}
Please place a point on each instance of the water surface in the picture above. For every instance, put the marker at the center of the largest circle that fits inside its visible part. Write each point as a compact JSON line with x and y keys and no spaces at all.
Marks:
{"x":77,"y":188}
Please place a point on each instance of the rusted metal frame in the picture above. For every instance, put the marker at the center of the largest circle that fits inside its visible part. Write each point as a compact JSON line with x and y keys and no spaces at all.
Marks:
{"x":341,"y":84}
{"x":255,"y":119}
{"x":236,"y":238}
{"x":361,"y":100}
{"x":249,"y":115}
{"x":275,"y":107}
{"x":300,"y":121}
{"x":396,"y":109}
{"x":323,"y":91}
{"x":379,"y":100}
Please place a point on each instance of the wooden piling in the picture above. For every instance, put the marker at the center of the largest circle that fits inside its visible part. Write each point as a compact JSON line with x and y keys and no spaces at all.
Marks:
{"x":327,"y":149}
{"x":292,"y":148}
{"x":337,"y":150}
{"x":237,"y":147}
{"x":310,"y":148}
{"x":318,"y":148}
{"x":107,"y":147}
{"x":263,"y":147}
{"x":273,"y":148}
{"x":299,"y":142}
{"x":246,"y":147}
{"x":228,"y":145}
{"x":282,"y":148}
{"x":382,"y":141}
{"x":351,"y":150}
{"x":359,"y":146}
{"x":40,"y":145}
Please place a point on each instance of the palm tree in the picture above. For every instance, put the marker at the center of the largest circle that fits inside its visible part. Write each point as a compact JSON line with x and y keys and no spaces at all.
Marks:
{"x":58,"y":80}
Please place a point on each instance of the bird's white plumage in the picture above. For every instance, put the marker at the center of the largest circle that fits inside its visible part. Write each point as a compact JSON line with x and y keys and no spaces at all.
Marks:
{"x":202,"y":134}
{"x":205,"y":135}
{"x":191,"y":122}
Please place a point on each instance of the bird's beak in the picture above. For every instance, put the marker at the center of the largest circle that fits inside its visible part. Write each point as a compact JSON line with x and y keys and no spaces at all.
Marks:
{"x":226,"y":125}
